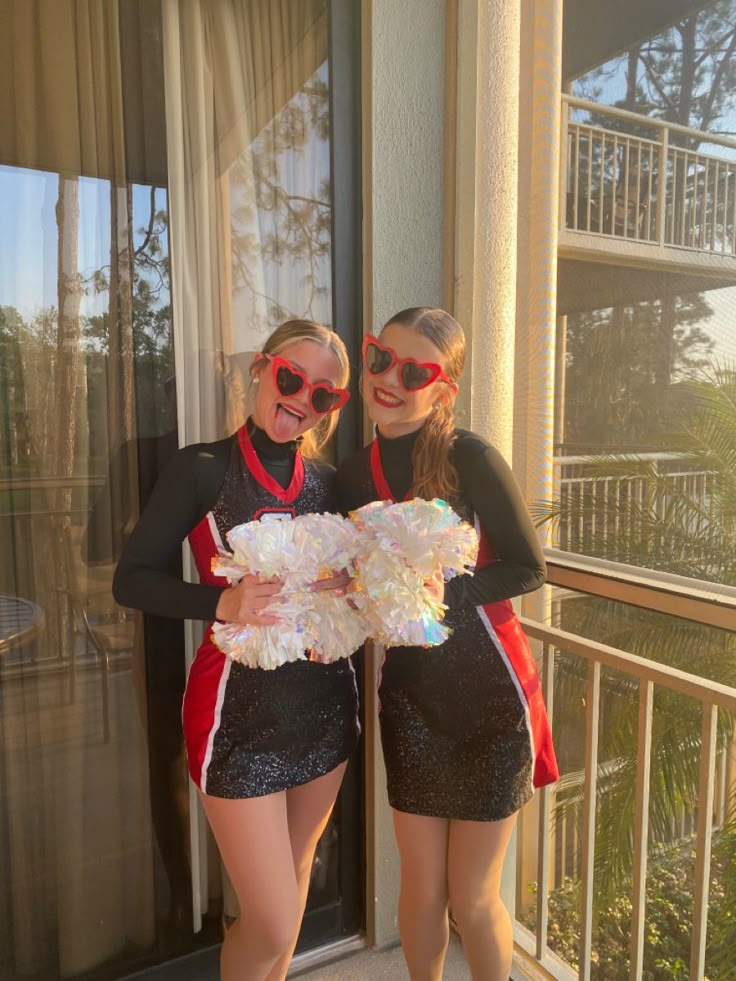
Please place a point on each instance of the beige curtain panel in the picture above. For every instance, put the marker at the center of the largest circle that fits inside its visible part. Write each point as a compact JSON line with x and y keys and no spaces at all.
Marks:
{"x":72,"y":741}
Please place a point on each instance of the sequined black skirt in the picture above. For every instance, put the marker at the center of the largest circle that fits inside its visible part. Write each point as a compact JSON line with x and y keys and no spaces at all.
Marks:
{"x":251,"y":732}
{"x":455,"y":728}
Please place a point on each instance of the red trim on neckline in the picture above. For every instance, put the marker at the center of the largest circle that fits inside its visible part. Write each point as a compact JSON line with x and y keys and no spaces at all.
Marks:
{"x":264,"y":478}
{"x":379,"y":477}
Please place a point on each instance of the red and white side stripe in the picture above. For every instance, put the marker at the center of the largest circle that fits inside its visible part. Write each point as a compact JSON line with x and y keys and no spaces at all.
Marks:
{"x":216,"y":715}
{"x":210,"y":670}
{"x":508,"y":638}
{"x":514,"y":677}
{"x":206,"y":543}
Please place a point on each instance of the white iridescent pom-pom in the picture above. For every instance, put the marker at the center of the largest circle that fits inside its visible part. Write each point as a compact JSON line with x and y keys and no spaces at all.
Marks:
{"x":401,"y":547}
{"x":316,"y":624}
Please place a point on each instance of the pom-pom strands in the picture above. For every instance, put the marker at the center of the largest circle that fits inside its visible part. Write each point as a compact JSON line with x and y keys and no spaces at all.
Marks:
{"x":392,"y":550}
{"x":400,"y":548}
{"x":320,"y":625}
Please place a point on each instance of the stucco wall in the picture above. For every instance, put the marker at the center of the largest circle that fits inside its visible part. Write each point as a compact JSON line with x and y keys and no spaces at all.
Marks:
{"x":407,"y":137}
{"x":403,"y":140}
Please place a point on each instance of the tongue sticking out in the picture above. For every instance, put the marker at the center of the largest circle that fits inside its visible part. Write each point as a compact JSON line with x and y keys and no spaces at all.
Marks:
{"x":287,"y":425}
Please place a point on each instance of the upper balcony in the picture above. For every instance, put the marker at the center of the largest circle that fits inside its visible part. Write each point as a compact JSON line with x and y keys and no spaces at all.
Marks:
{"x":641,"y":192}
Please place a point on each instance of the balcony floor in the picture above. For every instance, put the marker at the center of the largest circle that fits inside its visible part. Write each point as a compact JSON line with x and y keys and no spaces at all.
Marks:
{"x":384,"y":965}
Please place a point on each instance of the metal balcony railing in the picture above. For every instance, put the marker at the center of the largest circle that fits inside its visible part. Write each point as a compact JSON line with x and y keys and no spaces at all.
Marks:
{"x":566,"y":854}
{"x":594,"y":505}
{"x":698,"y":606}
{"x":644,"y":179}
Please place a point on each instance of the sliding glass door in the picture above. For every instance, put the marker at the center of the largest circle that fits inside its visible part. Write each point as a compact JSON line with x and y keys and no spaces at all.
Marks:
{"x":167,"y":189}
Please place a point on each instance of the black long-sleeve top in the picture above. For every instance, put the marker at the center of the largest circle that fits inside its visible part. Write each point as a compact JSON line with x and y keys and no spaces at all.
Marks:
{"x":489,"y":489}
{"x":187,"y":489}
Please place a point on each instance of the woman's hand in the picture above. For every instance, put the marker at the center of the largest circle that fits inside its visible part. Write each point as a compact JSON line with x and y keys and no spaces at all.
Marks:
{"x":436,"y":586}
{"x":247,"y":601}
{"x":339,"y":583}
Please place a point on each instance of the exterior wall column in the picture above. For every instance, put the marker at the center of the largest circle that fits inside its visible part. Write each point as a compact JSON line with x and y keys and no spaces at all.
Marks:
{"x":485,"y":222}
{"x":539,"y":196}
{"x":486,"y":210}
{"x":403,"y":121}
{"x":536,"y":315}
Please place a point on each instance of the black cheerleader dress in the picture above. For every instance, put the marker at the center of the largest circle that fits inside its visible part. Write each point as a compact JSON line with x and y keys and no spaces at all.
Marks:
{"x":464,"y":729}
{"x":248,"y":731}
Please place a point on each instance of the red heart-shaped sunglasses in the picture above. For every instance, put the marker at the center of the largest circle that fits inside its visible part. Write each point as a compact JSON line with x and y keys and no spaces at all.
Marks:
{"x":413,"y":375}
{"x":290,"y":381}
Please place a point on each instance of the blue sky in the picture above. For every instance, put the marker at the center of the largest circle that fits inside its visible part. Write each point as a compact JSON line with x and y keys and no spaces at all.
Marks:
{"x":29,"y":240}
{"x":28,"y":237}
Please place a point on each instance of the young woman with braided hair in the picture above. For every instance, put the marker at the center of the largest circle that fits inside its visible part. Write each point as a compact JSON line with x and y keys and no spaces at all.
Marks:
{"x":463,"y":725}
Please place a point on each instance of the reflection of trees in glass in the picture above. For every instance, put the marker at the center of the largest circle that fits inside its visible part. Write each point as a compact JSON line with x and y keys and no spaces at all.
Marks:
{"x":622,"y":366}
{"x":47,"y":363}
{"x":280,"y":226}
{"x":132,"y":339}
{"x":27,"y":349}
{"x":14,"y":441}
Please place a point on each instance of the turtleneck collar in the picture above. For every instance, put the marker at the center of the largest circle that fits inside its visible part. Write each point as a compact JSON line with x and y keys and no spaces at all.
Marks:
{"x":396,"y":462}
{"x":398,"y":445}
{"x":266,"y":448}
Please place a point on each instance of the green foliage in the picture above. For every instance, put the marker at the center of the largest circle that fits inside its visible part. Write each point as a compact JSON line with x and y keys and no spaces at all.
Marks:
{"x":668,"y":920}
{"x":659,"y":523}
{"x":624,"y":364}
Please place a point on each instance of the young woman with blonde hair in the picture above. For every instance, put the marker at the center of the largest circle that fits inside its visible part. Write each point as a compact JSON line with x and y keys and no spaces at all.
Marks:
{"x":463,"y":725}
{"x":267,"y":749}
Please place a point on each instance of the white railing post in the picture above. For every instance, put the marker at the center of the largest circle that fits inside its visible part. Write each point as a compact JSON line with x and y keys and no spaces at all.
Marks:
{"x":543,"y":849}
{"x":566,"y":162}
{"x":684,"y":212}
{"x":712,"y":696}
{"x":703,"y":842}
{"x":590,"y":792}
{"x":662,"y":186}
{"x":641,"y":830}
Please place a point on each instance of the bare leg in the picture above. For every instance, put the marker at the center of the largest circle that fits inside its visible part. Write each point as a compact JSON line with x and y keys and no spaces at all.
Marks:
{"x":423,"y":922}
{"x":308,"y":811}
{"x":253,"y":838}
{"x":474,"y":864}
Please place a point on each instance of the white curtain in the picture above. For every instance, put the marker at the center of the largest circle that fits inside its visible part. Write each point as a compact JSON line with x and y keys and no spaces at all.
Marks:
{"x":241,"y":119}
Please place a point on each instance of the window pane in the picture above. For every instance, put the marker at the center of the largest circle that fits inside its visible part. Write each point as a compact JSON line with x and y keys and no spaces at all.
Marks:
{"x":94,"y":866}
{"x":646,"y":425}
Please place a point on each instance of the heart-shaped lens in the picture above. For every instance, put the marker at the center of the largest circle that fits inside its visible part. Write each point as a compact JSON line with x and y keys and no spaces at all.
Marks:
{"x":287,"y":382}
{"x":377,"y":360}
{"x":415,"y":376}
{"x":324,"y":399}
